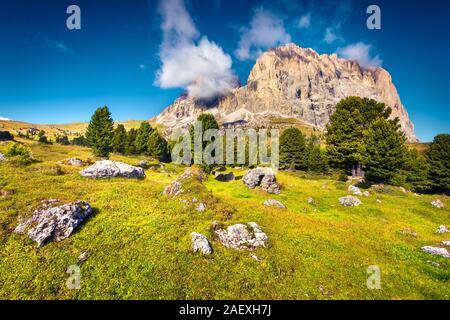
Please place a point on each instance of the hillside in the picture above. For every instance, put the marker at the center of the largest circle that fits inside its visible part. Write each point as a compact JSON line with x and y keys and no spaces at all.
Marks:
{"x":54,"y":129}
{"x":139,"y":244}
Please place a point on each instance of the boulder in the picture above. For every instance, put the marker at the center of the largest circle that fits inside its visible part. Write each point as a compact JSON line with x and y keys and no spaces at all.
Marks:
{"x":264,"y":177}
{"x":350,"y":201}
{"x":111,"y":169}
{"x":310,"y":200}
{"x":366,"y":194}
{"x":84,"y":256}
{"x":73,"y":162}
{"x":274,"y":203}
{"x":437,"y":204}
{"x":2,"y":157}
{"x":55,"y":223}
{"x":442,"y":229}
{"x":225,"y":177}
{"x":242,"y":236}
{"x":355,"y":190}
{"x":200,"y":243}
{"x":143,"y":164}
{"x":436,"y":251}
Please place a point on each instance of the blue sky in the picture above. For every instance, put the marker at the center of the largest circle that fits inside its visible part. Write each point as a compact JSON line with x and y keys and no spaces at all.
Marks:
{"x":125,"y":53}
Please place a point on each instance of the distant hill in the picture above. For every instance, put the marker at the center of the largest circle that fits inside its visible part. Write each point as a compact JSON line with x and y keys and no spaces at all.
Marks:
{"x":70,"y":129}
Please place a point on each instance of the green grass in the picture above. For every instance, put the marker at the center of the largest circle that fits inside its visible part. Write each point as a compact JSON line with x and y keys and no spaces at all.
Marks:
{"x":139,"y":241}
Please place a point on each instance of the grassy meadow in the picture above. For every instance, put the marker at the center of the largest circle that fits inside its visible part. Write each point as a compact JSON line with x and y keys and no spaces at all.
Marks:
{"x":140,"y":246}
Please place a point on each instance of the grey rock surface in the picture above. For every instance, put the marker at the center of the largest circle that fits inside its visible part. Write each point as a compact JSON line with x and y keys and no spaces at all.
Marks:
{"x":112,"y":169}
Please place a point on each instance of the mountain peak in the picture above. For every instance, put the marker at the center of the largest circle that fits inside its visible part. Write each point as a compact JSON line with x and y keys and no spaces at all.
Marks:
{"x":297,"y":83}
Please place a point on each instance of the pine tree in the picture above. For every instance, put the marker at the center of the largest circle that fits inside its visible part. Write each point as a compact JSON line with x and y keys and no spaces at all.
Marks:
{"x":143,"y":133}
{"x":120,"y":139}
{"x":439,"y":161}
{"x":315,"y":158}
{"x":130,"y":144}
{"x":292,"y":148}
{"x":100,"y":132}
{"x":414,"y":173}
{"x":208,"y":122}
{"x":344,"y":135}
{"x":157,"y":146}
{"x":383,"y":150}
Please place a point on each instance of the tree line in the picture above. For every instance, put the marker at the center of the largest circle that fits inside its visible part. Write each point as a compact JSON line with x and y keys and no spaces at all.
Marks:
{"x":361,"y":139}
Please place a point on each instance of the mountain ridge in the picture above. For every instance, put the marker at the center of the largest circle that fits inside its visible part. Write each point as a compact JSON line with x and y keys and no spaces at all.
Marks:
{"x":293,"y":82}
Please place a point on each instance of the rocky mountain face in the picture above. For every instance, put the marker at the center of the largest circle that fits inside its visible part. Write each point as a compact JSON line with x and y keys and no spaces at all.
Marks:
{"x":295,"y":83}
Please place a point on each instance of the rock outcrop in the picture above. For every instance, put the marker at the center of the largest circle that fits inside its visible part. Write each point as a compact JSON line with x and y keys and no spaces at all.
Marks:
{"x":55,"y":223}
{"x":112,"y":169}
{"x":350,"y":201}
{"x":200,"y":243}
{"x":274,"y":203}
{"x":288,"y":83}
{"x":225,"y":177}
{"x":437,"y":204}
{"x":242,"y":236}
{"x":263,"y":177}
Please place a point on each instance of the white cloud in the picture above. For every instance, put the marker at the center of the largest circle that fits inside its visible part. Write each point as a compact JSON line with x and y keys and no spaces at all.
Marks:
{"x":199,"y":66}
{"x":265,"y":31}
{"x":4,"y":119}
{"x":360,"y":52}
{"x":330,"y":36}
{"x":305,"y":21}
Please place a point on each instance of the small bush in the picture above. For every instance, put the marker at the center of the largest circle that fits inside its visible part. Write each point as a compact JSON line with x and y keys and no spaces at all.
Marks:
{"x":15,"y":149}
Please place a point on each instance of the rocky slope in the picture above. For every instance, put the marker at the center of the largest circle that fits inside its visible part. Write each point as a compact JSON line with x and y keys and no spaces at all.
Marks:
{"x":292,"y":82}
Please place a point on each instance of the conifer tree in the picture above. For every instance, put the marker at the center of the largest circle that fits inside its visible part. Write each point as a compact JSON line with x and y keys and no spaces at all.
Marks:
{"x":439,"y":161}
{"x":143,"y":134}
{"x":383,"y":150}
{"x":120,"y":139}
{"x":344,"y":135}
{"x":315,"y":158}
{"x":130,"y":144}
{"x":157,"y":146}
{"x":292,"y":148}
{"x":100,"y":132}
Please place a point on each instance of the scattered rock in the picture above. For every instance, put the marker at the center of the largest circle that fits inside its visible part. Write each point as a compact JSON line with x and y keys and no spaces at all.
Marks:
{"x":6,"y":193}
{"x":366,"y":194}
{"x":446,"y":243}
{"x":194,"y":200}
{"x":143,"y":164}
{"x":264,"y":177}
{"x":433,"y":263}
{"x":3,"y":157}
{"x":274,"y":203}
{"x":240,"y":236}
{"x":110,"y":169}
{"x":173,"y":189}
{"x":84,"y":256}
{"x":442,"y":229}
{"x":408,"y":231}
{"x":201,"y":207}
{"x":437,"y":204}
{"x":73,"y":162}
{"x":436,"y":251}
{"x":225,"y":177}
{"x":355,"y":190}
{"x":378,"y":201}
{"x":402,"y":189}
{"x":55,"y":223}
{"x":310,"y":200}
{"x":255,"y":257}
{"x":200,"y":243}
{"x":350,"y":201}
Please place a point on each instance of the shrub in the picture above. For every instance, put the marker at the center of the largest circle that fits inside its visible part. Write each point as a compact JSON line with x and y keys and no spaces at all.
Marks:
{"x":15,"y":149}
